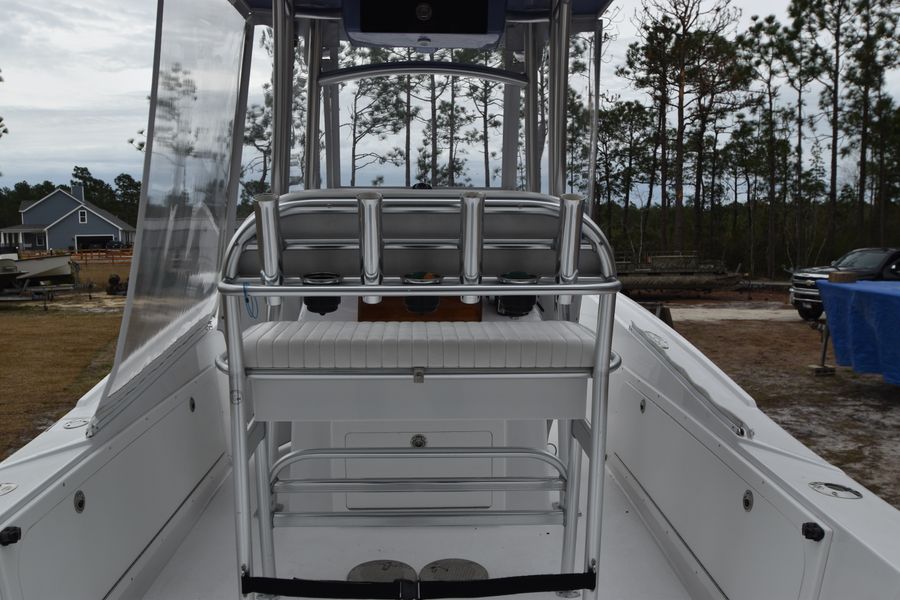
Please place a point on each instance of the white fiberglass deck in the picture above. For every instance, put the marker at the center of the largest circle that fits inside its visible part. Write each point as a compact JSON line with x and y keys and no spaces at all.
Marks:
{"x":632,"y":566}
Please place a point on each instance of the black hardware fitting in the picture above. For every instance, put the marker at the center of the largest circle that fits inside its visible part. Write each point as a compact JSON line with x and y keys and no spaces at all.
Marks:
{"x":813,"y":531}
{"x":10,"y":535}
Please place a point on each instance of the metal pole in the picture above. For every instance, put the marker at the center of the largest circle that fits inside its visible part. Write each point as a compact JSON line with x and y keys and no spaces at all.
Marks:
{"x":331,"y":108}
{"x":532,"y":136}
{"x":264,"y":504}
{"x":282,"y":94}
{"x":471,"y":241}
{"x":371,"y":242}
{"x":595,"y":115}
{"x":313,"y":103}
{"x":559,"y":84}
{"x":239,"y":452}
{"x":606,"y":306}
{"x":269,"y":245}
{"x":511,"y":98}
{"x":573,"y":492}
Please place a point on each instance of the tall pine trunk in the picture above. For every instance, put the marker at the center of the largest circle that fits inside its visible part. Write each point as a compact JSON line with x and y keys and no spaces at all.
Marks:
{"x":771,"y":165}
{"x":699,"y":204}
{"x":679,"y":162}
{"x":833,"y":122}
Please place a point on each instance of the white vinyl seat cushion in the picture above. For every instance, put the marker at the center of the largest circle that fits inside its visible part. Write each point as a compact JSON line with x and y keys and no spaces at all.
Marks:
{"x":398,"y":345}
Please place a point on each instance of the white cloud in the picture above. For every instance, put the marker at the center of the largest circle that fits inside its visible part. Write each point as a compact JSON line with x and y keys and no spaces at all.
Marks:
{"x":77,"y":76}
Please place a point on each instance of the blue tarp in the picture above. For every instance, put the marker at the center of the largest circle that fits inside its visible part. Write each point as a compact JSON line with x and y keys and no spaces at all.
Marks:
{"x":864,"y":319}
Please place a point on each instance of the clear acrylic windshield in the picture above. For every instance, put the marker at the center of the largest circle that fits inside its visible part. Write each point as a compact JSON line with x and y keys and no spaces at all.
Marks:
{"x":182,"y":223}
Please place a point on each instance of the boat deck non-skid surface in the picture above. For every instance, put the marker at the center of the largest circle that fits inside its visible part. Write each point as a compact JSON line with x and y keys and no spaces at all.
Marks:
{"x":631,"y":566}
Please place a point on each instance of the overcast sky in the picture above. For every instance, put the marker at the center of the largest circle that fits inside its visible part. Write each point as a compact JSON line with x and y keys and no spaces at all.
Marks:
{"x":77,"y":77}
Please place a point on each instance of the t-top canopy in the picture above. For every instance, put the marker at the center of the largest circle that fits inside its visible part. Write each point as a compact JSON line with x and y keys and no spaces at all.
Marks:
{"x":435,"y":23}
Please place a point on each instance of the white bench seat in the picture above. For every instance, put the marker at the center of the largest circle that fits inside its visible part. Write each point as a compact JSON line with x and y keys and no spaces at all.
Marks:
{"x":406,"y":345}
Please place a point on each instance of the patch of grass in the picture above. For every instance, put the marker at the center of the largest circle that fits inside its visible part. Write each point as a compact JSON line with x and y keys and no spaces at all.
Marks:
{"x":49,"y":360}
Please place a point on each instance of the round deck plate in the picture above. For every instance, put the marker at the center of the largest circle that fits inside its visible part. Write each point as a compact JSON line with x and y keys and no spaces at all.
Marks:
{"x":453,"y":569}
{"x":381,"y":570}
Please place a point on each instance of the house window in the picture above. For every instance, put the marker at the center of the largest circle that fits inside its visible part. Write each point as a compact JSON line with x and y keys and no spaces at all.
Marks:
{"x":82,"y":216}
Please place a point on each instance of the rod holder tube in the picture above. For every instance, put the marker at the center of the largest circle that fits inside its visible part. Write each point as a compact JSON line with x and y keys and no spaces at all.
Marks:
{"x":371,"y":242}
{"x":270,"y":245}
{"x":471,"y":242}
{"x":568,"y":241}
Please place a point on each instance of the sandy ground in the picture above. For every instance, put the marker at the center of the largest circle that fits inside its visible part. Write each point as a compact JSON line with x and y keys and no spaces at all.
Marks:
{"x":734,"y":311}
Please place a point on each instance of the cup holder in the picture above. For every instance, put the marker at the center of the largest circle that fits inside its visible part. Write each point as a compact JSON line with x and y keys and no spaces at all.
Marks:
{"x":322,"y":304}
{"x":516,"y":306}
{"x":422,"y":305}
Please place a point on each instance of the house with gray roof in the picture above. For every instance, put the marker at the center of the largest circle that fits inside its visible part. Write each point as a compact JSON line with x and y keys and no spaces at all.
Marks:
{"x":61,"y":221}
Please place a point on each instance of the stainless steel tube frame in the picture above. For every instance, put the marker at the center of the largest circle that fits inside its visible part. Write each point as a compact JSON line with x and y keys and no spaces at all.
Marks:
{"x":282,"y":96}
{"x":568,"y":242}
{"x":421,"y":484}
{"x":371,"y":243}
{"x":571,"y":498}
{"x":239,"y":450}
{"x":269,"y":246}
{"x":419,"y":518}
{"x":380,"y":453}
{"x":532,"y":139}
{"x":422,"y":67}
{"x":581,"y":288}
{"x":595,"y":112}
{"x":264,"y":504}
{"x":599,"y":411}
{"x":559,"y":86}
{"x":313,"y":104}
{"x":471,"y":238}
{"x":403,"y":199}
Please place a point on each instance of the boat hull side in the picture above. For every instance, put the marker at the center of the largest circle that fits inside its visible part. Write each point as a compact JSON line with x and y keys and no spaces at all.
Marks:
{"x":143,"y":485}
{"x":688,"y":472}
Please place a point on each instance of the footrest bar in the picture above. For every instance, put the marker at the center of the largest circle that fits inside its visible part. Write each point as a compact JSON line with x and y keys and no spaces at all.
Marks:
{"x":417,"y":518}
{"x":404,"y":589}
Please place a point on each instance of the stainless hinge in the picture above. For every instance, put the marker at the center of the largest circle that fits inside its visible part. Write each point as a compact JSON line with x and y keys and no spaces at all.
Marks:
{"x":418,"y":374}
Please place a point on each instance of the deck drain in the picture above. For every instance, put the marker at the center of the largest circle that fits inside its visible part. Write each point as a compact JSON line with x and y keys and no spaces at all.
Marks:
{"x":381,"y":570}
{"x":453,"y":569}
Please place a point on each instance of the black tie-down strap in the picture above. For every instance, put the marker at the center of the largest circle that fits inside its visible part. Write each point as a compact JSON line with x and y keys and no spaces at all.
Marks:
{"x":405,"y":589}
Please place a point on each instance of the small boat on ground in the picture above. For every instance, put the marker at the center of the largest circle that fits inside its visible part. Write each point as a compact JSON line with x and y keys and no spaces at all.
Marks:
{"x":40,"y":270}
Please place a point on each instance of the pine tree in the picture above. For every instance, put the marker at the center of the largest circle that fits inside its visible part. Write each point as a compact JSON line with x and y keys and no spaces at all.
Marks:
{"x":833,"y":17}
